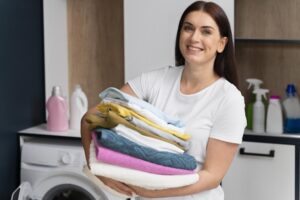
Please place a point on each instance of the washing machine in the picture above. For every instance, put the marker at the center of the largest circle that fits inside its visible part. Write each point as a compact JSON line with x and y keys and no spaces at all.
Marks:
{"x":52,"y":170}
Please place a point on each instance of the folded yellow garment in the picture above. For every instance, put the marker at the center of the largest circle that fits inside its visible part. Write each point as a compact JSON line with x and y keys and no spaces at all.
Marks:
{"x":111,"y":120}
{"x":105,"y":107}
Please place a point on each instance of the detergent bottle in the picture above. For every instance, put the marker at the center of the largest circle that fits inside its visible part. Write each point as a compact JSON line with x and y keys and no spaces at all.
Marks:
{"x":249,"y":107}
{"x":57,"y":120}
{"x":291,"y":108}
{"x":78,"y":107}
{"x":259,"y":111}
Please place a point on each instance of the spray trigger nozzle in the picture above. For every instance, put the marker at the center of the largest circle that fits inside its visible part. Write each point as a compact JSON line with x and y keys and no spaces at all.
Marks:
{"x":260,"y":92}
{"x":254,"y":82}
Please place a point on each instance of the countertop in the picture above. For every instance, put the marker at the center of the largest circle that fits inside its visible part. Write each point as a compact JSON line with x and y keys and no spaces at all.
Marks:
{"x":284,"y":138}
{"x":42,"y":131}
{"x":249,"y":135}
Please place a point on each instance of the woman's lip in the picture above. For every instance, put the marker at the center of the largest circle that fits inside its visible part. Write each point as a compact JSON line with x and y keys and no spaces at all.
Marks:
{"x":190,"y":47}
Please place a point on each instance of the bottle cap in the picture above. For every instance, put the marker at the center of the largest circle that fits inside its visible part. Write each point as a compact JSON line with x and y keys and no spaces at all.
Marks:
{"x":275,"y":97}
{"x":290,"y":90}
{"x":77,"y":86}
{"x":56,"y":91}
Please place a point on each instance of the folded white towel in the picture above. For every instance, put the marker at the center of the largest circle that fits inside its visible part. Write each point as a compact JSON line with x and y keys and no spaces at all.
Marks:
{"x":142,"y":140}
{"x":102,"y":186}
{"x":136,"y":177}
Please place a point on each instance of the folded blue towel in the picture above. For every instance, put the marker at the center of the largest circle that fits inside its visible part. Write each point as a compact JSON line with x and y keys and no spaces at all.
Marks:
{"x":108,"y":138}
{"x":114,"y":93}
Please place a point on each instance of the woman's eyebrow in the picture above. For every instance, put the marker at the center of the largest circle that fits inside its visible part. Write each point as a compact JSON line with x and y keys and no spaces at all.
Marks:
{"x":204,"y":27}
{"x":188,"y":23}
{"x":207,"y":27}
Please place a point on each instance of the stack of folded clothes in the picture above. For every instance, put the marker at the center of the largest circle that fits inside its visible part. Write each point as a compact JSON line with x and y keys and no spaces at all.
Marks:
{"x":135,"y":143}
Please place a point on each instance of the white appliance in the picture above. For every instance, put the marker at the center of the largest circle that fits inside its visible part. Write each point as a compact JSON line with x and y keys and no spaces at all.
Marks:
{"x":51,"y":169}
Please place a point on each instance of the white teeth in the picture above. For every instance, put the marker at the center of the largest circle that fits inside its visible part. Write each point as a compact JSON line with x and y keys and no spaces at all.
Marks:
{"x":195,"y":48}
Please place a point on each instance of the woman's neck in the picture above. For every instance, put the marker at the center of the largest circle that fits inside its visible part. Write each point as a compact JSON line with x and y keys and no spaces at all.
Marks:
{"x":196,"y":78}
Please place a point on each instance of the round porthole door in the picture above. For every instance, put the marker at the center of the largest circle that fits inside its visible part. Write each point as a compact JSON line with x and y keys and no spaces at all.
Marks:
{"x":67,"y":185}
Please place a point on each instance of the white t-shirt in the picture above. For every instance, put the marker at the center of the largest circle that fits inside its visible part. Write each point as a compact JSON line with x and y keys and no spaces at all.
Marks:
{"x":216,"y":111}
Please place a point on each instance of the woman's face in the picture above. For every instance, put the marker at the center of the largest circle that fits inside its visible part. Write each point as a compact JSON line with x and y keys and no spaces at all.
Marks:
{"x":200,"y":39}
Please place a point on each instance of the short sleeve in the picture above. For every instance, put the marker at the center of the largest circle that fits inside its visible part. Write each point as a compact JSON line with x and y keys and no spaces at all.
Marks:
{"x":230,"y":121}
{"x":147,"y":85}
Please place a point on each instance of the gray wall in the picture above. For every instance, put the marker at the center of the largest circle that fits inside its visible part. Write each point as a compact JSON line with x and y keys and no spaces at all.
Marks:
{"x":21,"y":81}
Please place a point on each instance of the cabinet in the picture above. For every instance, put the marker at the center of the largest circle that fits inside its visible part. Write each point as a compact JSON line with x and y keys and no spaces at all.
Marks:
{"x":261,"y":171}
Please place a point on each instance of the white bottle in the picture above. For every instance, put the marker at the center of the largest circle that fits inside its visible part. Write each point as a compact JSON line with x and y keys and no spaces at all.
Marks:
{"x":274,"y":116}
{"x":259,"y":111}
{"x":79,"y":106}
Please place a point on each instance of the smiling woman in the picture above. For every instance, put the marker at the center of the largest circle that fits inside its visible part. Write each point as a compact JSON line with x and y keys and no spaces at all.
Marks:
{"x":201,"y":90}
{"x":200,"y":39}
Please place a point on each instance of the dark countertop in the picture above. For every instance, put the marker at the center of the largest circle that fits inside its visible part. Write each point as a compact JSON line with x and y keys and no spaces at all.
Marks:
{"x":284,"y":138}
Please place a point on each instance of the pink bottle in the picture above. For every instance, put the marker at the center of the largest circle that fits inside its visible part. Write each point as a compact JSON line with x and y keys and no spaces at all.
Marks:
{"x":57,"y":112}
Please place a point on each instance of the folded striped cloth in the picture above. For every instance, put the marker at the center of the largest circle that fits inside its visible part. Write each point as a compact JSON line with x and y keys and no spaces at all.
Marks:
{"x":109,"y":139}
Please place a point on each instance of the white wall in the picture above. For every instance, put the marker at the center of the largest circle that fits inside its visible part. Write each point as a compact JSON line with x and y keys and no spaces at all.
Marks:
{"x":55,"y":46}
{"x":150,"y":32}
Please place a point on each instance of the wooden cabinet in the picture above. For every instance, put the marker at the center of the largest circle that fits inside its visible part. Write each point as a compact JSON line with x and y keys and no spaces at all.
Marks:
{"x":267,"y":19}
{"x":261,"y":171}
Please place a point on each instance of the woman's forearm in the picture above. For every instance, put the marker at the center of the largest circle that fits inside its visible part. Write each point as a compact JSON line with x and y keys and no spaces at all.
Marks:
{"x":219,"y":155}
{"x":86,"y":137}
{"x":206,"y":181}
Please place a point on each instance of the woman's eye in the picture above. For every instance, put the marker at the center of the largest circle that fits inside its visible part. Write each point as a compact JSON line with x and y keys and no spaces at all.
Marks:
{"x":188,"y":28}
{"x":206,"y":32}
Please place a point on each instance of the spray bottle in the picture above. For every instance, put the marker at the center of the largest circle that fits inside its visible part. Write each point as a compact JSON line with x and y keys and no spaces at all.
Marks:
{"x":259,"y":111}
{"x":249,"y":108}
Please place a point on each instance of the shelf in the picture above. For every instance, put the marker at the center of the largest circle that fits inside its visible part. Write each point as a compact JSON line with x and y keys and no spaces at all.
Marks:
{"x":268,"y":41}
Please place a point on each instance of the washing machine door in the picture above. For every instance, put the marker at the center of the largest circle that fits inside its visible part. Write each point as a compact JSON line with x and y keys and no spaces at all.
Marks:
{"x":66,"y":185}
{"x":23,"y":192}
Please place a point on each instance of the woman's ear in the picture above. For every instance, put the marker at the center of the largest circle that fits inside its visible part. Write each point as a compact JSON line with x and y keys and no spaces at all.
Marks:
{"x":222,"y":44}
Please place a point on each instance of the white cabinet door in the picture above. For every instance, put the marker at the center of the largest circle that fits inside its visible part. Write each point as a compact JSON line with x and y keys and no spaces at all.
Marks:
{"x":261,"y":176}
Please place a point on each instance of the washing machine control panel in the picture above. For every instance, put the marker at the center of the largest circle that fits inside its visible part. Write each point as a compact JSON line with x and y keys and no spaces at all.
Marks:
{"x":53,"y":154}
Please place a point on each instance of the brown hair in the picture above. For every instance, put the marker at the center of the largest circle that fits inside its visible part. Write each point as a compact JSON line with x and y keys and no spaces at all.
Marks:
{"x":225,"y":64}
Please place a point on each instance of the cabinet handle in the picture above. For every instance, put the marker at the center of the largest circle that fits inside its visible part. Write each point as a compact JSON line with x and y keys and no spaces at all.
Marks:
{"x":270,"y":154}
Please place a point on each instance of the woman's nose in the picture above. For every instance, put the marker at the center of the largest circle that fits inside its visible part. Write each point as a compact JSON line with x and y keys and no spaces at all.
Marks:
{"x":196,"y":36}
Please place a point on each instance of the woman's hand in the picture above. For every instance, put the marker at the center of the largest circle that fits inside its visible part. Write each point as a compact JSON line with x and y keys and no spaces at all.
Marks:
{"x":117,"y":186}
{"x":139,"y":191}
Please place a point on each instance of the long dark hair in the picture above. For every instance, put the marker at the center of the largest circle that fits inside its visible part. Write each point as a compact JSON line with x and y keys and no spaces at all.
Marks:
{"x":225,"y":64}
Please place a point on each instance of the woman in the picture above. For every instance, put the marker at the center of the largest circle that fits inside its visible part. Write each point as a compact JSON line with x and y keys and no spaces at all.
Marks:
{"x":201,"y":91}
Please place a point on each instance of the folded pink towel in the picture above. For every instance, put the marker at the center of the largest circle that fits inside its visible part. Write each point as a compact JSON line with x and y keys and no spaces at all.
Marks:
{"x":115,"y":158}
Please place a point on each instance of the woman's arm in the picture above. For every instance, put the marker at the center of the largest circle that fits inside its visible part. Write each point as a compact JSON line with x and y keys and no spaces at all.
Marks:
{"x":219,"y":156}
